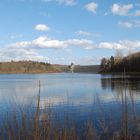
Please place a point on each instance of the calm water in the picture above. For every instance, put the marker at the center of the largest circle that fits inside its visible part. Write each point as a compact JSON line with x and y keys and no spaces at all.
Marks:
{"x":81,"y":93}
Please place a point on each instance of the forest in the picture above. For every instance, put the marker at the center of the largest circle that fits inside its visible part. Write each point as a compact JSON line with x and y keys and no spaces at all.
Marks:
{"x":130,"y":63}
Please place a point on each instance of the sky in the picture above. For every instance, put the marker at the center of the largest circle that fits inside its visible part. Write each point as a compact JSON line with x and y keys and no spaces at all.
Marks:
{"x":65,"y":31}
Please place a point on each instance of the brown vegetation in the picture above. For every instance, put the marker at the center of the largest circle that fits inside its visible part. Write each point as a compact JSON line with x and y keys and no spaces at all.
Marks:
{"x":15,"y":67}
{"x":26,"y":67}
{"x":130,"y":63}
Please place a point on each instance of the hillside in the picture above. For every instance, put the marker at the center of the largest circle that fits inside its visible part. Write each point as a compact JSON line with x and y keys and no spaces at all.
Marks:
{"x":26,"y":67}
{"x":62,"y":68}
{"x":14,"y":67}
{"x":87,"y":69}
{"x":80,"y":68}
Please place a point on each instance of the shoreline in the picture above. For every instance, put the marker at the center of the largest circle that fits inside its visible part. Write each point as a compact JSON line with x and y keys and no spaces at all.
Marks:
{"x":119,"y":73}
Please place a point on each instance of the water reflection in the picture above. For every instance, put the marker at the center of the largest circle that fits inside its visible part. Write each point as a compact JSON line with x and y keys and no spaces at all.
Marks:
{"x":65,"y":89}
{"x":120,"y":85}
{"x":121,"y":82}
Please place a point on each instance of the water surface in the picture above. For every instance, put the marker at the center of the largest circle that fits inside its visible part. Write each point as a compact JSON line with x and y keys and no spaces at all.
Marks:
{"x":82,"y":93}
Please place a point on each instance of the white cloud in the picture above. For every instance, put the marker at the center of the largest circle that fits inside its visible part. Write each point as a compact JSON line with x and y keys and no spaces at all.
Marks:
{"x":92,"y":7}
{"x":137,"y":13}
{"x":87,"y":34}
{"x":44,"y":42}
{"x":108,"y":45}
{"x":16,"y":36}
{"x":65,"y":2}
{"x":83,"y":33}
{"x":125,"y":24}
{"x":125,"y":10}
{"x":87,"y":44}
{"x":42,"y":27}
{"x":130,"y":24}
{"x":30,"y":50}
{"x":8,"y":54}
{"x":122,"y":10}
{"x":136,"y":23}
{"x":125,"y":44}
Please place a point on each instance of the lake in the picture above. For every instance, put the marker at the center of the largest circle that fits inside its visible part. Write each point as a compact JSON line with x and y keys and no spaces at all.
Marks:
{"x":80,"y":95}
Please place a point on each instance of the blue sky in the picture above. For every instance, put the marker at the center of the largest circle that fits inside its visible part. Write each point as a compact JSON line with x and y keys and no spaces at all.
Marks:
{"x":65,"y":31}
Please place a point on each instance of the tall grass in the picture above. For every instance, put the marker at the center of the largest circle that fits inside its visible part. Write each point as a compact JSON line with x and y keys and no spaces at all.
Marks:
{"x":41,"y":125}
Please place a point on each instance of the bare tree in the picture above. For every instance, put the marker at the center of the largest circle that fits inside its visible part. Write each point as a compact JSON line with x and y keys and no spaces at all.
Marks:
{"x":118,"y":54}
{"x":105,"y":64}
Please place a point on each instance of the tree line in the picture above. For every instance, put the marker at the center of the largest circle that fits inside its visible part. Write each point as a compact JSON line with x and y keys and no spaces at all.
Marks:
{"x":130,"y":63}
